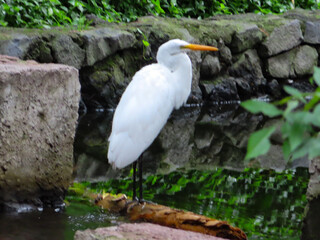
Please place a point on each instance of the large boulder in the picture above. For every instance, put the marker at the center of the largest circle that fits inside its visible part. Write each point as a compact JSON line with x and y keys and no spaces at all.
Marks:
{"x":38,"y":112}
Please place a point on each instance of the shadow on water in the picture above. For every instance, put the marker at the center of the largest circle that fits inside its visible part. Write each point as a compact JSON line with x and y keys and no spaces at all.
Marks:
{"x":195,"y":164}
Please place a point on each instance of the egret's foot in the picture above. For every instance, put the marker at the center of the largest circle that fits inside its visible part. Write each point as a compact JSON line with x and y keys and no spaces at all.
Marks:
{"x":133,"y":203}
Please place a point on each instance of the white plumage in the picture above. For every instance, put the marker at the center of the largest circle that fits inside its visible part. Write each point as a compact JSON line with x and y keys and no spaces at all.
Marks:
{"x":148,"y":101}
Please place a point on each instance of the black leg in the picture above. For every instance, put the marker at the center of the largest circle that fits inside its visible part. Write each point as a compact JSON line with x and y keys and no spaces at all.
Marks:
{"x":140,"y":179}
{"x":134,"y":195}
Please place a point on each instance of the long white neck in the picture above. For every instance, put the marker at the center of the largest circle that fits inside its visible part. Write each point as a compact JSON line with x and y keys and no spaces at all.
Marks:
{"x":181,"y":69}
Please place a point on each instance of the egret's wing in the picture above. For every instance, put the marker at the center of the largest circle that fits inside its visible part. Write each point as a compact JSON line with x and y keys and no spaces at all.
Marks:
{"x":141,"y":113}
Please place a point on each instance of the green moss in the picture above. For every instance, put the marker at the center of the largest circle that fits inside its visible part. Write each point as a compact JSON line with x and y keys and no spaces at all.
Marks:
{"x":268,"y":24}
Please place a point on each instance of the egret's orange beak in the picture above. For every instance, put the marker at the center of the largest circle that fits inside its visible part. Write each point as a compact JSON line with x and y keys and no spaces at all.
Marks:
{"x":197,"y":47}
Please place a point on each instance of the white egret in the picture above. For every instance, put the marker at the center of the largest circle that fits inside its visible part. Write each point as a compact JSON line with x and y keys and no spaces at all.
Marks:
{"x":147,"y":103}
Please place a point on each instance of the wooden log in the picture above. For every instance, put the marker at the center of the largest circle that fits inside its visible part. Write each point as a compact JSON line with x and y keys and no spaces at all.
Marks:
{"x":166,"y":216}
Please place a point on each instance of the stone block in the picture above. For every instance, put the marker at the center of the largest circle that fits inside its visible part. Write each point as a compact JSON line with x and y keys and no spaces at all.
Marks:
{"x":66,"y":51}
{"x":210,"y":66}
{"x":280,"y":66}
{"x":102,"y":42}
{"x":306,"y":58}
{"x":297,"y":62}
{"x":17,"y":45}
{"x":246,"y":38}
{"x":312,"y":32}
{"x":248,"y":64}
{"x":282,"y":39}
{"x":38,"y":116}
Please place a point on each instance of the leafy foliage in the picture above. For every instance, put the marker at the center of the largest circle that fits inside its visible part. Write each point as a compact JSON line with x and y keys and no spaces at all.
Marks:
{"x":43,"y":13}
{"x":259,"y":142}
{"x":300,"y":123}
{"x":239,"y":197}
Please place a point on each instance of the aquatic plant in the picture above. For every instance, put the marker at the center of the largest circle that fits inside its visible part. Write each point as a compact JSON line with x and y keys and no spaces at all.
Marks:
{"x":299,"y":125}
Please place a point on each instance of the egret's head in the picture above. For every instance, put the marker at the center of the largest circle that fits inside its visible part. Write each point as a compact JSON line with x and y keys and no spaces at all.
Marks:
{"x":172,"y":53}
{"x":177,"y":46}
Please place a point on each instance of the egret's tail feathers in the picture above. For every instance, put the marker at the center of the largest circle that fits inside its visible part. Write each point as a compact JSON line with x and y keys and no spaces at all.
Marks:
{"x":122,"y":151}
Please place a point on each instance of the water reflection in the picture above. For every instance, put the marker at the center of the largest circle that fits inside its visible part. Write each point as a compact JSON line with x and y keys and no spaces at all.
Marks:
{"x":33,"y":226}
{"x":51,"y":224}
{"x":311,"y":229}
{"x":265,"y":204}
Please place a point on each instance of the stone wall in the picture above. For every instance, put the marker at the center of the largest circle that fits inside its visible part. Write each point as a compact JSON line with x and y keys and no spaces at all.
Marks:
{"x":258,"y":54}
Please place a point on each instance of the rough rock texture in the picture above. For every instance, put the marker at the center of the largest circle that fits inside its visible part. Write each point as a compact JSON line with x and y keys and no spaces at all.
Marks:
{"x":305,"y":60}
{"x":295,"y":63}
{"x":38,"y":112}
{"x":282,"y":39}
{"x":246,"y":38}
{"x":66,"y":51}
{"x":103,"y":42}
{"x":17,"y":45}
{"x":140,"y":231}
{"x":248,"y":65}
{"x":210,"y":66}
{"x":312,"y":32}
{"x":314,"y":183}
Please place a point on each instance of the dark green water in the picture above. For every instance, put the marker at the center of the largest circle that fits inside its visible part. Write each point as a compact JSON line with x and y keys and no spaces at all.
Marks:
{"x":51,"y":224}
{"x":265,"y":204}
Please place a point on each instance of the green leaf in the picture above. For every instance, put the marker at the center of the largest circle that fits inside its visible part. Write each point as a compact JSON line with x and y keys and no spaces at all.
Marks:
{"x":291,"y":105}
{"x":50,"y":11}
{"x":300,"y":117}
{"x":296,"y":135}
{"x":267,"y":109}
{"x":302,"y":150}
{"x":314,"y":148}
{"x":145,"y":43}
{"x":316,"y":116}
{"x":259,"y":143}
{"x":316,"y":75}
{"x":283,"y":100}
{"x":313,"y":101}
{"x":286,"y":150}
{"x":295,"y":93}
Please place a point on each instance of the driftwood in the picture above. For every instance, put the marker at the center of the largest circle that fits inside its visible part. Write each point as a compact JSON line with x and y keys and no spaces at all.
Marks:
{"x":169,"y":217}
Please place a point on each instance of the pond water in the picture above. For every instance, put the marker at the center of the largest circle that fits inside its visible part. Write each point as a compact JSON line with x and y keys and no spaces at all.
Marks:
{"x":264,"y":204}
{"x":195,"y":164}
